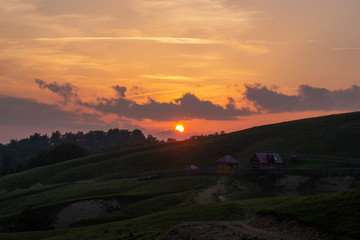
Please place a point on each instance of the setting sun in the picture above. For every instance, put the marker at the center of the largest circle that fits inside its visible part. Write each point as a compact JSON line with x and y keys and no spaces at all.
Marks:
{"x":180,"y":128}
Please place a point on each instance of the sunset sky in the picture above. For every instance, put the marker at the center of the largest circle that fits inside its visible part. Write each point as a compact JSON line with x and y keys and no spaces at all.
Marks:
{"x":212,"y":65}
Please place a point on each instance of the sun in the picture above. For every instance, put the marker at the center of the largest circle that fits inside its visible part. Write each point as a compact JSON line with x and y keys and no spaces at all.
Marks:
{"x":179,"y":128}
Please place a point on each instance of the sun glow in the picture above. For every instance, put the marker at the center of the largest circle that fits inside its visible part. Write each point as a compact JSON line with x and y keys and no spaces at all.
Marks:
{"x":179,"y":128}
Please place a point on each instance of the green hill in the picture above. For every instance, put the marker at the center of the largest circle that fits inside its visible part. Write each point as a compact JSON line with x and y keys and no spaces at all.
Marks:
{"x":39,"y":193}
{"x":335,"y":135}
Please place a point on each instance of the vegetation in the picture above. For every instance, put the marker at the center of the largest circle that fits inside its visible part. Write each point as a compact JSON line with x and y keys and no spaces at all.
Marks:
{"x":151,"y":207}
{"x":40,"y":150}
{"x":337,"y":213}
{"x":62,"y":152}
{"x":335,"y":135}
{"x":330,"y":213}
{"x":18,"y":200}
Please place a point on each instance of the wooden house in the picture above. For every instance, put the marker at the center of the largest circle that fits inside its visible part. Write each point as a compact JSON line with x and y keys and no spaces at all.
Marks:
{"x":226,"y":165}
{"x":191,"y":167}
{"x":266,"y":160}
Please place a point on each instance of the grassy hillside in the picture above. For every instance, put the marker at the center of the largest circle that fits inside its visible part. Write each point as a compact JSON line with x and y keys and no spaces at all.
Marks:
{"x":330,"y":135}
{"x":16,"y":201}
{"x":337,"y":213}
{"x":150,"y":207}
{"x":333,"y":213}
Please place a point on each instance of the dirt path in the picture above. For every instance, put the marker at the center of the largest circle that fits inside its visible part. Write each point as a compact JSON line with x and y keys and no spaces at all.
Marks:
{"x":262,"y":228}
{"x":208,"y":194}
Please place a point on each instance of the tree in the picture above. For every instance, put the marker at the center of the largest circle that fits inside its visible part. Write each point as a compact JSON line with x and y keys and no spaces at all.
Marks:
{"x":151,"y":139}
{"x":137,"y":137}
{"x":5,"y":164}
{"x":64,"y":151}
{"x":55,"y":138}
{"x":171,"y":140}
{"x":68,"y":137}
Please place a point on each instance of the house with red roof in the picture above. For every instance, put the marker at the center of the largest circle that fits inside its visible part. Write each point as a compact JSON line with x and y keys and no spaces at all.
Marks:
{"x":266,"y":160}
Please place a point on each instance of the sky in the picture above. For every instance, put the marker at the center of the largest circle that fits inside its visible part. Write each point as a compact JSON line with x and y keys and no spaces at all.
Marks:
{"x":211,"y":65}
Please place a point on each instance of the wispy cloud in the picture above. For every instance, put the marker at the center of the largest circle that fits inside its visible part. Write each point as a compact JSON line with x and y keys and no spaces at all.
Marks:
{"x":263,"y":42}
{"x":167,"y":77}
{"x":169,"y":40}
{"x":344,"y":49}
{"x":66,"y":90}
{"x":152,"y":93}
{"x":250,"y":48}
{"x":15,"y":5}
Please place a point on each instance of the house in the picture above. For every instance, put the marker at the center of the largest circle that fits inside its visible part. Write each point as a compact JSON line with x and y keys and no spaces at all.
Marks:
{"x":226,"y":165}
{"x":191,"y":167}
{"x":266,"y":160}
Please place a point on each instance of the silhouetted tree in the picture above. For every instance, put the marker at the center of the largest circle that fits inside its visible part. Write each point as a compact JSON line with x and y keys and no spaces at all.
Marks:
{"x":39,"y":150}
{"x":60,"y":153}
{"x":171,"y":140}
{"x":5,"y":164}
{"x":55,"y":138}
{"x":137,"y":137}
{"x":69,"y":137}
{"x":151,"y":139}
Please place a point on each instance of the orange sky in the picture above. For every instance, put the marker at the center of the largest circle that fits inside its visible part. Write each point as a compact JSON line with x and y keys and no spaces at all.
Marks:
{"x":212,"y":64}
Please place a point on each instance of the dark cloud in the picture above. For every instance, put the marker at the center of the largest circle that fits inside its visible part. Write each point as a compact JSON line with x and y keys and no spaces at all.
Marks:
{"x":28,"y":112}
{"x":120,"y":90}
{"x":66,"y":90}
{"x":165,"y":134}
{"x":187,"y":107}
{"x":307,"y":99}
{"x":270,"y":100}
{"x":231,"y":104}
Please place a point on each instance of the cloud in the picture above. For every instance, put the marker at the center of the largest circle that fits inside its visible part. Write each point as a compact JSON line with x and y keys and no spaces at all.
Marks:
{"x":344,"y":49}
{"x":28,"y":112}
{"x":187,"y":107}
{"x":249,"y":48}
{"x":165,"y":134}
{"x":166,"y":77}
{"x":308,"y":98}
{"x":169,"y":40}
{"x":15,"y":6}
{"x":120,"y":90}
{"x":66,"y":90}
{"x":153,"y":93}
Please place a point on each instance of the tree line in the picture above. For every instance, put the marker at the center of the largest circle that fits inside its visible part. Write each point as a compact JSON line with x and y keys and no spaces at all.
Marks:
{"x":40,"y":150}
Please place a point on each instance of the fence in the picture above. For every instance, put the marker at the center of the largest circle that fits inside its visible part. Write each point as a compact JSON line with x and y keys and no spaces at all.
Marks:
{"x":326,"y":172}
{"x":176,"y":173}
{"x":319,"y":158}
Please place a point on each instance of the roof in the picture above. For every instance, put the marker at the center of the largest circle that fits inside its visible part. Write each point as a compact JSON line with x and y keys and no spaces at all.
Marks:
{"x":227,"y":159}
{"x":269,"y":157}
{"x":191,"y":167}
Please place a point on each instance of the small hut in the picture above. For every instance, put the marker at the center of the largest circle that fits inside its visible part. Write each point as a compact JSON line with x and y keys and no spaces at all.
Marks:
{"x":226,"y":165}
{"x":266,"y":160}
{"x":191,"y":167}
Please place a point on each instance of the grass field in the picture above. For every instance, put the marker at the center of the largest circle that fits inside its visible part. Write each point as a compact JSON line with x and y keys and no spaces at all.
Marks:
{"x":330,"y":135}
{"x":335,"y":213}
{"x":155,"y":205}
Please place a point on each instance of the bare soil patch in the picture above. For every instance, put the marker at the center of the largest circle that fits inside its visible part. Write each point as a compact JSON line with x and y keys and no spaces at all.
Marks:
{"x":259,"y":228}
{"x":211,"y":194}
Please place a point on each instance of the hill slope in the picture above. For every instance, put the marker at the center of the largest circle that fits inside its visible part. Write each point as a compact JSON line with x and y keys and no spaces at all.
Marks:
{"x":38,"y":198}
{"x":329,"y":135}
